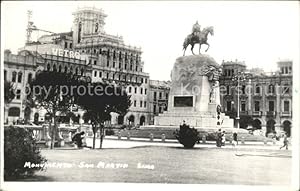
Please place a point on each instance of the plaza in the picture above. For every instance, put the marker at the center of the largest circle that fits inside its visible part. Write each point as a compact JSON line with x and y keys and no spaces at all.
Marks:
{"x":205,"y":164}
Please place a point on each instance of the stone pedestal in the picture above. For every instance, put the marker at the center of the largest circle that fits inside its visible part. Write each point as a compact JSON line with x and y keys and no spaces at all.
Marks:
{"x":194,"y":94}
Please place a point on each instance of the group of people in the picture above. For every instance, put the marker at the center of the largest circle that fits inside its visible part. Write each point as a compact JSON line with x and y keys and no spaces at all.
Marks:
{"x":221,"y":138}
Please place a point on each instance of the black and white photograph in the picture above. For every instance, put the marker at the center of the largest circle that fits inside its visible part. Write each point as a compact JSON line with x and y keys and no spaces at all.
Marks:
{"x":149,"y":95}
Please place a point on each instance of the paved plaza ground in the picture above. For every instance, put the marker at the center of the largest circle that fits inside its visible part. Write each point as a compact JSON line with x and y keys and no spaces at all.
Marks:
{"x":138,"y":162}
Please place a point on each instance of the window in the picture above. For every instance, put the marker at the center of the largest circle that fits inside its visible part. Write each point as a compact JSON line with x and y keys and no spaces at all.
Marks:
{"x":271,"y":105}
{"x":71,"y":45}
{"x":282,"y":70}
{"x":257,"y":89}
{"x":160,"y":95}
{"x":134,"y":103}
{"x":243,"y":89}
{"x":228,"y":104}
{"x":145,"y":104}
{"x":5,"y":75}
{"x":154,"y":96}
{"x":146,"y":80}
{"x":141,"y":103}
{"x":66,"y":45}
{"x":107,"y":75}
{"x":136,"y":68}
{"x":129,"y":89}
{"x":160,"y":110}
{"x":286,"y":89}
{"x":141,"y":90}
{"x":18,"y":94}
{"x":145,"y":91}
{"x":142,"y":80}
{"x":114,"y":64}
{"x":81,"y":73}
{"x":243,"y":106}
{"x":95,"y":62}
{"x":29,"y":78}
{"x":135,"y":90}
{"x":286,"y":106}
{"x":125,"y":66}
{"x":66,"y":69}
{"x":286,"y":70}
{"x":107,"y":64}
{"x":131,"y":66}
{"x":228,"y":90}
{"x":100,"y":74}
{"x":167,"y":95}
{"x":256,"y":106}
{"x":271,"y":89}
{"x":154,"y":108}
{"x":59,"y":68}
{"x":20,"y":74}
{"x":95,"y":73}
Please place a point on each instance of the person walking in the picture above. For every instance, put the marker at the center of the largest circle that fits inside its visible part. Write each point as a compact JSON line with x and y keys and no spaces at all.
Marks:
{"x":223,"y":139}
{"x":235,"y":139}
{"x":285,"y":141}
{"x":219,"y":138}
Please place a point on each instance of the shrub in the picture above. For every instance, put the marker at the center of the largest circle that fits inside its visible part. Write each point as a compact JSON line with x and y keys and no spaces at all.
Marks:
{"x":20,"y":147}
{"x":187,"y":136}
{"x":109,"y":132}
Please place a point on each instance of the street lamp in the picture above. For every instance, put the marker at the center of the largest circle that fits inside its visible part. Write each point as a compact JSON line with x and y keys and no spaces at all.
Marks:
{"x":239,"y":77}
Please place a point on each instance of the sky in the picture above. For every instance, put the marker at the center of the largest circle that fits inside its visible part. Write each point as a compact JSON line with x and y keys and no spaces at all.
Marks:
{"x":259,"y":33}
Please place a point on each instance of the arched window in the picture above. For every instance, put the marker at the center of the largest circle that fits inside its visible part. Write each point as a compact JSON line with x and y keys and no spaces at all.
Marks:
{"x":71,"y":69}
{"x":20,"y":74}
{"x":66,"y":69}
{"x":54,"y":68}
{"x":59,"y":68}
{"x":81,"y":72}
{"x":76,"y":71}
{"x":14,"y":76}
{"x":48,"y":67}
{"x":257,"y":89}
{"x":271,"y":89}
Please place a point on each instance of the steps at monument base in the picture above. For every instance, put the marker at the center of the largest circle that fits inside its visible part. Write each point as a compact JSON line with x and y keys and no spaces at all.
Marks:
{"x":145,"y":131}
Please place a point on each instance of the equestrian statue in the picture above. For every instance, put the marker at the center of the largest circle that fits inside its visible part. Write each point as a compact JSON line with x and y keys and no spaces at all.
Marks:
{"x":197,"y":37}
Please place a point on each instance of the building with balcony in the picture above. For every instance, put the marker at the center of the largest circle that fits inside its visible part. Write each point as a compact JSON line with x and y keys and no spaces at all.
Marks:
{"x":265,"y":99}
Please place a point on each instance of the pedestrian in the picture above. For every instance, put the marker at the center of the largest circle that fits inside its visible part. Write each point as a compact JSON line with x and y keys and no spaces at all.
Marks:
{"x":223,"y":138}
{"x":218,"y":138}
{"x":235,"y":140}
{"x":285,"y":141}
{"x":77,"y":138}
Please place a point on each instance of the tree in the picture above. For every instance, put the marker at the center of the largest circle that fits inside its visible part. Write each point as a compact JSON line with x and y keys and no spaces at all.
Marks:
{"x":20,"y":149}
{"x":99,"y":104}
{"x":51,"y":91}
{"x":9,"y":92}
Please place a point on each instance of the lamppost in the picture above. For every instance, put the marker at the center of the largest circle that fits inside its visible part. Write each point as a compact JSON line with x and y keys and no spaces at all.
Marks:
{"x":239,"y":77}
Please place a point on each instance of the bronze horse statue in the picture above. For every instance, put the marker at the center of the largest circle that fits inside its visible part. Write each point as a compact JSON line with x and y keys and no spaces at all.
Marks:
{"x":200,"y":39}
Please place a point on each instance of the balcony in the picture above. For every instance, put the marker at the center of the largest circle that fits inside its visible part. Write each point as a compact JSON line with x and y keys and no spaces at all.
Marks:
{"x":271,"y":113}
{"x":256,"y":113}
{"x":286,"y":114}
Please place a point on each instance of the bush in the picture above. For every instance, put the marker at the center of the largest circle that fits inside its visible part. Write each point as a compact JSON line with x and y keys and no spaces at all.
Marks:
{"x":20,"y":147}
{"x":109,"y":132}
{"x":187,"y":136}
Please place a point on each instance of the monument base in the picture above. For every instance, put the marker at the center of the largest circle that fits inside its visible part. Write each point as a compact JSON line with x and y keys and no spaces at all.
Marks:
{"x":194,"y":119}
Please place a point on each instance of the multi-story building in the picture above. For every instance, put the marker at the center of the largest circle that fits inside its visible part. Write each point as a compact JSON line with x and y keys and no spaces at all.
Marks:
{"x":158,"y":96}
{"x":88,"y":50}
{"x":265,"y":99}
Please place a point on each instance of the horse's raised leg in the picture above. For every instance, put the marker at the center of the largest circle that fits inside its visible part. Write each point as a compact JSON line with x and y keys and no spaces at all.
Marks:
{"x":192,"y":49}
{"x":184,"y":51}
{"x":199,"y":49}
{"x":207,"y":47}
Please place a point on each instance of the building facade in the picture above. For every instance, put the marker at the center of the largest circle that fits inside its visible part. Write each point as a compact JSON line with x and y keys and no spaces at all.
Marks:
{"x":265,"y":99}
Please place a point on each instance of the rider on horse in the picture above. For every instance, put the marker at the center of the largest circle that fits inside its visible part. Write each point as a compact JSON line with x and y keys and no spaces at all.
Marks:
{"x":196,"y":30}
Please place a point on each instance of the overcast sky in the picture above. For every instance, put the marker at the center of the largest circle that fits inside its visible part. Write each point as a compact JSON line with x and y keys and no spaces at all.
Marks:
{"x":259,"y":33}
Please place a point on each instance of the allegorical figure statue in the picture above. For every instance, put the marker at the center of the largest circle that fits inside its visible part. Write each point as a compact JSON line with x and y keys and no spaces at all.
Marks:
{"x":197,"y":37}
